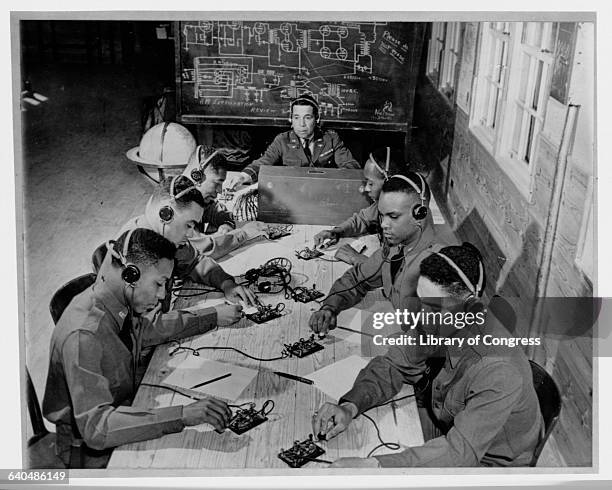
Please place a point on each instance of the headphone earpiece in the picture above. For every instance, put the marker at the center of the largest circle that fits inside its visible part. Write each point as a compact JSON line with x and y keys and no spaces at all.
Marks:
{"x":197,"y":175}
{"x":264,"y":287}
{"x":166,"y":212}
{"x":419,"y":211}
{"x":130,"y":273}
{"x":472,"y":303}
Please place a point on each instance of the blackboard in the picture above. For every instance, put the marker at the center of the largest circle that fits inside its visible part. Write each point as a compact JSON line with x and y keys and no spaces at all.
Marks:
{"x":363,"y":74}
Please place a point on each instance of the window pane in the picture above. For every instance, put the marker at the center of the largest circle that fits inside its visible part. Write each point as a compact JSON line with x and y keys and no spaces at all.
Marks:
{"x":516,"y":135}
{"x":526,"y":60}
{"x":532,"y":123}
{"x":538,"y":82}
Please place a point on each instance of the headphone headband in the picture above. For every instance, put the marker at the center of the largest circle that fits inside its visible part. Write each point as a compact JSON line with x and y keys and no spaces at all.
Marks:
{"x":475,"y":290}
{"x":184,"y":191}
{"x":126,"y":245}
{"x":311,"y":100}
{"x":385,"y":172}
{"x":420,"y":191}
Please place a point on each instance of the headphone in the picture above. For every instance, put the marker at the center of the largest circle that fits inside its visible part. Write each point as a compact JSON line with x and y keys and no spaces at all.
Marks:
{"x":419,"y":211}
{"x":385,"y":172}
{"x":197,"y":174}
{"x":166,"y":213}
{"x":472,"y":303}
{"x":130,"y":273}
{"x":311,"y":102}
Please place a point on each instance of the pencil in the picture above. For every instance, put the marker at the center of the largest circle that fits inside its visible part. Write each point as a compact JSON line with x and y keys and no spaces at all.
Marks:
{"x":211,"y":381}
{"x":355,"y":331}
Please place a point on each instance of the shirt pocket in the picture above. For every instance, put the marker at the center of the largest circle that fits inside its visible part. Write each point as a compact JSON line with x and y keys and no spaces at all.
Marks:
{"x":453,"y":405}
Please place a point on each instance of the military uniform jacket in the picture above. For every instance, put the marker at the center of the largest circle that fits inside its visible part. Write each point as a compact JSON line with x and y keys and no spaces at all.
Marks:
{"x":287,"y":149}
{"x":363,"y":222}
{"x":92,"y":374}
{"x":483,"y":397}
{"x":375,"y":272}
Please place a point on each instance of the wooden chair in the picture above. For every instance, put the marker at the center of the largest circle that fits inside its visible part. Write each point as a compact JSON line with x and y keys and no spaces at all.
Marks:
{"x":41,"y":446}
{"x":64,"y":295}
{"x":550,"y":404}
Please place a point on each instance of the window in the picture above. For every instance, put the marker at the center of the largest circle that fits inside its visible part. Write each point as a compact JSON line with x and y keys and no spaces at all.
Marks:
{"x":450,"y":56}
{"x":442,"y":56}
{"x":491,"y":79}
{"x":512,"y":88}
{"x":434,"y":52}
{"x":528,"y":98}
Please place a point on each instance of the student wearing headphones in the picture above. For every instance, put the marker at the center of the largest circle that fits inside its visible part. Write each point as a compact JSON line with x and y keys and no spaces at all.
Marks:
{"x":381,"y":163}
{"x":306,"y":145}
{"x":173,"y":211}
{"x":96,"y":349}
{"x":208,"y":173}
{"x":483,"y":410}
{"x":408,"y":236}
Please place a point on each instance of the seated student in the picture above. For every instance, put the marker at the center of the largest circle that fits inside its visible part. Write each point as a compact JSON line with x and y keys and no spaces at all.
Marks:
{"x":483,"y":409}
{"x":173,"y":211}
{"x":408,"y":235}
{"x":95,"y":353}
{"x":382,"y":163}
{"x":208,"y":174}
{"x":306,"y":145}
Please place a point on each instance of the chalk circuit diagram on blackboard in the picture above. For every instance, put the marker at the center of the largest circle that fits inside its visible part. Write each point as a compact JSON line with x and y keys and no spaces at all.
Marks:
{"x":251,"y":63}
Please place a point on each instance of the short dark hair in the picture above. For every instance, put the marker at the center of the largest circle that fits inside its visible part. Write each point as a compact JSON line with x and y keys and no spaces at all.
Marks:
{"x":307,"y":100}
{"x":396,"y":160}
{"x":467,"y":257}
{"x":400,"y":185}
{"x":162,"y":191}
{"x":218,"y":161}
{"x":146,"y":247}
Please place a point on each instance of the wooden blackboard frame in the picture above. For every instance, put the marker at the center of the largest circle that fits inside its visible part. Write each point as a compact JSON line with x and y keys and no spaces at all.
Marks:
{"x":224,"y":120}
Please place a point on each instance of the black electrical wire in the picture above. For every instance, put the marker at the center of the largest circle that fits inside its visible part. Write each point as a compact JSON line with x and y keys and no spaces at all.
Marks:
{"x":196,"y":352}
{"x":394,"y":446}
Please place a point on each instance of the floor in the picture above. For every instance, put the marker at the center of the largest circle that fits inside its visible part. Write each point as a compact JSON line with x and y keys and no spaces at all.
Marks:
{"x":79,"y":188}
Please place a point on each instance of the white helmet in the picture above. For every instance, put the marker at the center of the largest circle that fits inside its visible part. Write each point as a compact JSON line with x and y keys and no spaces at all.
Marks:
{"x":166,"y":144}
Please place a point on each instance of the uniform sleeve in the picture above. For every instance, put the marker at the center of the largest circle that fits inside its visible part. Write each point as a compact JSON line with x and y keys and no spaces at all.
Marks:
{"x":217,"y":246}
{"x":342,"y":155}
{"x":101,"y":424}
{"x":491,"y":397}
{"x":178,"y":324}
{"x":353,"y":285}
{"x":384,"y":376}
{"x":216,"y":214}
{"x":272,"y":156}
{"x":209,"y":273}
{"x":360,"y":223}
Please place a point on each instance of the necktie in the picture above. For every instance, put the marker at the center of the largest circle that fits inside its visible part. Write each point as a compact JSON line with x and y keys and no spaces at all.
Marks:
{"x":396,"y":262}
{"x":307,"y":150}
{"x":125,"y":334}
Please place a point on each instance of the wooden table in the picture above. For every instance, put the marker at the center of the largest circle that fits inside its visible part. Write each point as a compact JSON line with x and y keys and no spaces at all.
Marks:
{"x":295,"y":402}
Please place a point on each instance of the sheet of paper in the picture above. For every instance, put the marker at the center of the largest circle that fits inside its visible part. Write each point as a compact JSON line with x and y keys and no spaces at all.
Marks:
{"x":350,"y":318}
{"x":206,"y":303}
{"x":370,"y":242}
{"x":196,"y":369}
{"x":252,"y":256}
{"x":338,"y":378}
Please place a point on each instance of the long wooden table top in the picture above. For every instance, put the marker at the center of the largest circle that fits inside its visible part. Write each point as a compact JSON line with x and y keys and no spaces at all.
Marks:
{"x":295,"y":402}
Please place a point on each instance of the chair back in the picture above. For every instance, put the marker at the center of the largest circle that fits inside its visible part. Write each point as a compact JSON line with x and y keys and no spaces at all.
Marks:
{"x":64,"y":295}
{"x":98,"y":257}
{"x":550,"y":401}
{"x":36,"y":418}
